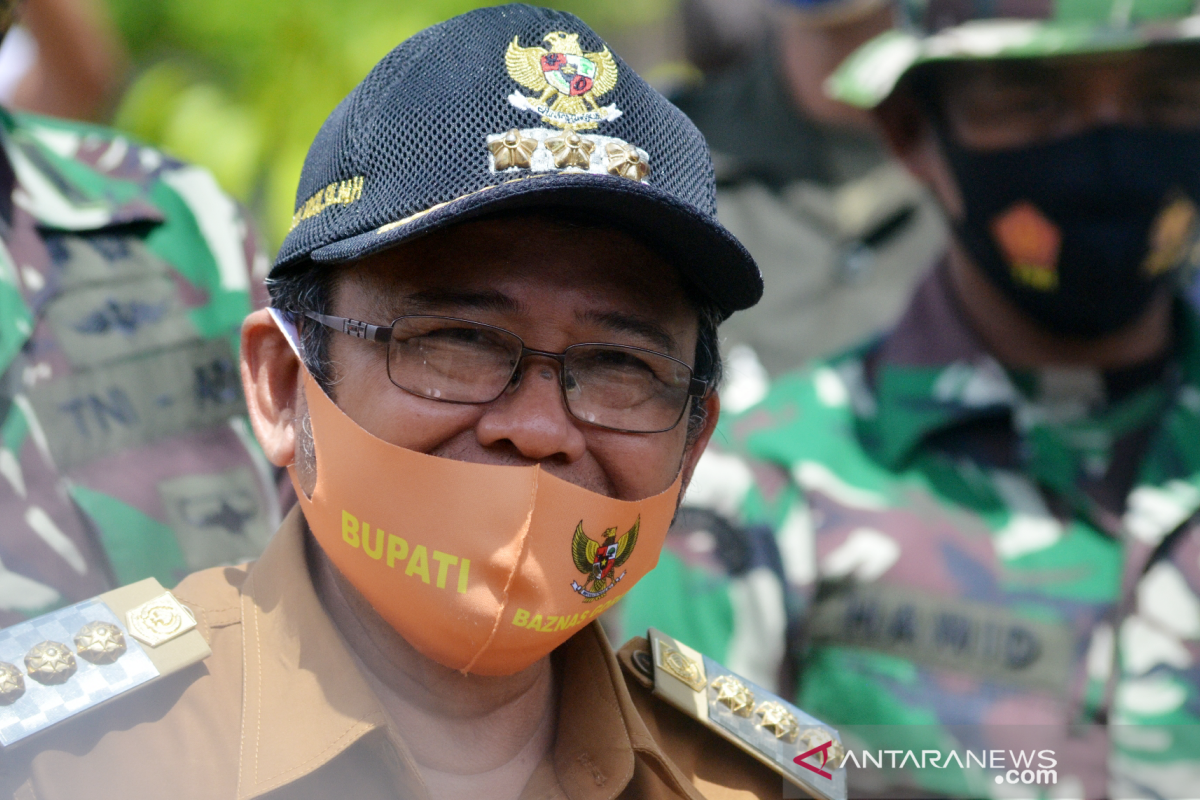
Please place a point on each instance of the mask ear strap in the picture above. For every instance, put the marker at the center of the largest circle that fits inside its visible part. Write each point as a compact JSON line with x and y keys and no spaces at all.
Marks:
{"x":289,"y":330}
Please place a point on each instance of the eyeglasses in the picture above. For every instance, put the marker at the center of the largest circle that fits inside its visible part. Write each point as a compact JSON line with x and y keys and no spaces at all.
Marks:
{"x":626,"y":389}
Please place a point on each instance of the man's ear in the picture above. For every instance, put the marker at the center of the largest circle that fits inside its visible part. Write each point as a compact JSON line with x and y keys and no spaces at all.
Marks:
{"x":712,"y":409}
{"x":271,"y":377}
{"x":910,"y":135}
{"x":902,"y":122}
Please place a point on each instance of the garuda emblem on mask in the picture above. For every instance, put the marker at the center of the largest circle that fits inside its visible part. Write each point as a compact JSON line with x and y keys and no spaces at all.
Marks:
{"x":570,"y":81}
{"x":599,"y":560}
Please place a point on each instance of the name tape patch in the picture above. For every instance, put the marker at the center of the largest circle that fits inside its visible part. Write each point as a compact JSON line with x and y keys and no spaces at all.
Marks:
{"x":948,"y":633}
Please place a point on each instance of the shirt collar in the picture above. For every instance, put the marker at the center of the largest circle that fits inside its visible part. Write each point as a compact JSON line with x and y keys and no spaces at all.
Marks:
{"x":294,"y":658}
{"x":930,"y":373}
{"x":933,"y":373}
{"x":59,"y":182}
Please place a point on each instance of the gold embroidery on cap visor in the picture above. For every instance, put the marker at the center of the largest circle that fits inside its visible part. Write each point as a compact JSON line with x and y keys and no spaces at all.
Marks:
{"x":341,"y":193}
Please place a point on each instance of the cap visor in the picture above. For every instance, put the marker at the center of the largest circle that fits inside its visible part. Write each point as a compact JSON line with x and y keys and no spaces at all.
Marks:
{"x":704,"y":252}
{"x":870,"y":74}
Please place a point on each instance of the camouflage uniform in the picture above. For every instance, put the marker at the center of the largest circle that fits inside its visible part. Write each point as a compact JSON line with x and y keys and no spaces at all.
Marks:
{"x":840,"y":231}
{"x":912,"y":535}
{"x":959,"y":545}
{"x":124,"y":450}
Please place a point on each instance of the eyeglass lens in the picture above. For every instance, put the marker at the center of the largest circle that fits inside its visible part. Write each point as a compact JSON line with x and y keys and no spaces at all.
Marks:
{"x":611,"y":386}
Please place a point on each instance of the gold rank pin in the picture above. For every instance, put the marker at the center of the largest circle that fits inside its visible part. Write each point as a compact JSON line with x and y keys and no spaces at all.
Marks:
{"x":804,"y":750}
{"x":123,"y":639}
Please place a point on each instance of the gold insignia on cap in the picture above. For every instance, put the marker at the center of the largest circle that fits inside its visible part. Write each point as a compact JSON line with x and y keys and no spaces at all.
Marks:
{"x":681,"y":667}
{"x":100,"y":642}
{"x":734,"y":695}
{"x":50,"y":663}
{"x":12,"y":684}
{"x":815,"y":737}
{"x":625,"y":161}
{"x":159,"y":620}
{"x":778,"y":720}
{"x":513,"y":150}
{"x":570,"y":150}
{"x":569,"y":80}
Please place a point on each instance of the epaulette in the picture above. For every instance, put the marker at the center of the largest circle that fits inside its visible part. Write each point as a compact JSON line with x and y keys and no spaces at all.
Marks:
{"x":798,"y":746}
{"x":59,"y":665}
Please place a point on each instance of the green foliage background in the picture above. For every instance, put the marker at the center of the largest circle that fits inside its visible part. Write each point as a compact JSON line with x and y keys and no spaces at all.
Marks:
{"x":241,"y":86}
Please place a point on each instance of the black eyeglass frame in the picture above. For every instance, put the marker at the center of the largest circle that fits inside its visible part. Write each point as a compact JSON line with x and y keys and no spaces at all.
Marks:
{"x":697,"y":387}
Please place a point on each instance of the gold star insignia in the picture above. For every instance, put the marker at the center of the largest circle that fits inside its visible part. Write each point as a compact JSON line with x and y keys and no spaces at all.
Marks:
{"x":100,"y":642}
{"x":778,"y":720}
{"x":815,"y":737}
{"x":12,"y":684}
{"x":50,"y":663}
{"x":624,"y":161}
{"x":570,"y":150}
{"x":734,"y":695}
{"x":513,"y":150}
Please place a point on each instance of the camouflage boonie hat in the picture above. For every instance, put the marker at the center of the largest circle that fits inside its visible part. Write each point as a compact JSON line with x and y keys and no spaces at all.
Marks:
{"x":969,"y":30}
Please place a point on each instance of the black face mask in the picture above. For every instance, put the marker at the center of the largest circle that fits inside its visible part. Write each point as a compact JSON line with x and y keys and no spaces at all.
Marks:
{"x":1081,"y":233}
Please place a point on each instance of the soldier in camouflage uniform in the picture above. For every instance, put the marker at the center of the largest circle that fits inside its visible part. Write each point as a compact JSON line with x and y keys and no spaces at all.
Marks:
{"x":840,"y":230}
{"x":124,"y":452}
{"x":968,"y":525}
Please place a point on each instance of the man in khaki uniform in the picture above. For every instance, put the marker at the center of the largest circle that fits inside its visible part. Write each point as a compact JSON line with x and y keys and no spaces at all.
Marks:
{"x":478,"y":479}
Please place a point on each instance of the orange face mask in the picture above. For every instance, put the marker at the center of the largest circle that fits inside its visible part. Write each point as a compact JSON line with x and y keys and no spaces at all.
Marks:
{"x":482,"y":568}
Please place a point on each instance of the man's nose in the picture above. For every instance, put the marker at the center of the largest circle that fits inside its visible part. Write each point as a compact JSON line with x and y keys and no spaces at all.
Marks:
{"x":1107,"y":98}
{"x":532,"y":417}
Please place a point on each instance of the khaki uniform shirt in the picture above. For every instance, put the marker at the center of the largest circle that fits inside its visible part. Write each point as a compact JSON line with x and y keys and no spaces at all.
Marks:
{"x":281,"y":710}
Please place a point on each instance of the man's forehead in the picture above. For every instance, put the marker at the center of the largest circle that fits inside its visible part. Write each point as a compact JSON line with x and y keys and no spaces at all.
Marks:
{"x":487,"y":264}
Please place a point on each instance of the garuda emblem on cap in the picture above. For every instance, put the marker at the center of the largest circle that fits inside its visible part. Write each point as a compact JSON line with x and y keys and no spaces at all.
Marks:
{"x":599,"y":560}
{"x":569,"y":80}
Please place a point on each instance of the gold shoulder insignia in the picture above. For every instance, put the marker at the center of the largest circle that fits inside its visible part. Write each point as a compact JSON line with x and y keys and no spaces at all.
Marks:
{"x":798,"y":746}
{"x":88,"y":653}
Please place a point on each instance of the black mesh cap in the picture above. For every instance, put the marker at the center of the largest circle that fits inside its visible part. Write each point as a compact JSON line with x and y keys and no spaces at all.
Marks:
{"x":504,"y":108}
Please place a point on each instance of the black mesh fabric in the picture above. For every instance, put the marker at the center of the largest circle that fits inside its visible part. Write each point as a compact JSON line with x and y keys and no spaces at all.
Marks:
{"x":414,"y":134}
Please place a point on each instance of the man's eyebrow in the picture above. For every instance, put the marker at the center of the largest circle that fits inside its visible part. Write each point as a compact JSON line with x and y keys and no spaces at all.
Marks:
{"x":441,"y":299}
{"x":634,"y":325}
